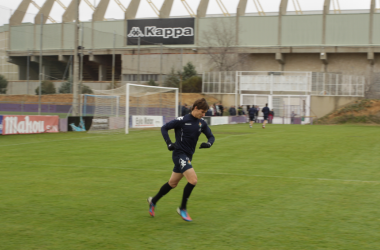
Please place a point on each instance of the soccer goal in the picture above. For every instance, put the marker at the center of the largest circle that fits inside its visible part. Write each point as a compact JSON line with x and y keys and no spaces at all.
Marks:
{"x":131,"y":106}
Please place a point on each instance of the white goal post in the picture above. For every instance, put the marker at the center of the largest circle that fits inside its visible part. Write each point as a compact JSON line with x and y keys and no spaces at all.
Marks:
{"x":131,"y":106}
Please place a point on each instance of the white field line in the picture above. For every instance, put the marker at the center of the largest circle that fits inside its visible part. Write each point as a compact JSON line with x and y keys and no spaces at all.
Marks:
{"x":208,"y":173}
{"x":92,"y":137}
{"x":89,"y":137}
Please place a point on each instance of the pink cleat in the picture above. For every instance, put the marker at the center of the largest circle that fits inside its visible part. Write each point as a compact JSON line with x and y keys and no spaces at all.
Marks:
{"x":183,"y":213}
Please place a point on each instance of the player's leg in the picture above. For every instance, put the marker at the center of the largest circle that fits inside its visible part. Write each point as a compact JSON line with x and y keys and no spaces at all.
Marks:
{"x":172,"y":183}
{"x":265,"y":121}
{"x":192,"y":179}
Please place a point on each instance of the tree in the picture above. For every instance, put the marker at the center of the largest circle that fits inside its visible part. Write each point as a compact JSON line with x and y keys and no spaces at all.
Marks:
{"x":86,"y":89}
{"x":152,"y":83}
{"x":172,"y":80}
{"x":47,"y":88}
{"x":188,"y":71}
{"x":219,"y":41}
{"x":3,"y":84}
{"x":67,"y":88}
{"x":192,"y":85}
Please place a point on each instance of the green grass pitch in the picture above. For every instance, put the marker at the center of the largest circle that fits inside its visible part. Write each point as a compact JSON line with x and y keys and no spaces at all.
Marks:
{"x":285,"y":187}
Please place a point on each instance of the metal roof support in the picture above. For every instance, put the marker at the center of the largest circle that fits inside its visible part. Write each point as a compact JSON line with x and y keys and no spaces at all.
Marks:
{"x":121,"y":6}
{"x":223,"y":8}
{"x":131,"y":11}
{"x":166,"y":8}
{"x":155,"y":9}
{"x":69,"y":15}
{"x":62,"y":5}
{"x":201,"y":12}
{"x":202,"y":8}
{"x":371,"y":13}
{"x":19,"y":14}
{"x":259,"y":8}
{"x":45,"y":11}
{"x":242,"y":6}
{"x":188,"y":8}
{"x":297,"y":7}
{"x":326,"y":11}
{"x":282,"y":11}
{"x":100,"y":10}
{"x":336,"y":6}
{"x":240,"y":11}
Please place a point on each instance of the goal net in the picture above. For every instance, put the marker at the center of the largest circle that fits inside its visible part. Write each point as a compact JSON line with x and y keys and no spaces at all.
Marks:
{"x":131,"y":106}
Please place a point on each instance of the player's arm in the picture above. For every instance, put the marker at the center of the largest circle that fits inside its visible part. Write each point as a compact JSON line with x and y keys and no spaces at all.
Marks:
{"x":164,"y":131}
{"x":210,"y":137}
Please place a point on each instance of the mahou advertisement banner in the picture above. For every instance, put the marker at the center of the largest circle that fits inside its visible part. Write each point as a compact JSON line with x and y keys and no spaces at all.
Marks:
{"x":29,"y":124}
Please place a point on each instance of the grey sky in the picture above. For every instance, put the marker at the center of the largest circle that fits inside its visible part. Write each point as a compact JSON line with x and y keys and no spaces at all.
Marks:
{"x":145,"y":10}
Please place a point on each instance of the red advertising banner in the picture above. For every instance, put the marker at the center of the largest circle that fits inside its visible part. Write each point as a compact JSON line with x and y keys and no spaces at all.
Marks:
{"x":29,"y":124}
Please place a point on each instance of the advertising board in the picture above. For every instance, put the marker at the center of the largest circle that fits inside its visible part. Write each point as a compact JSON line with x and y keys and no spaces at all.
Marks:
{"x":165,"y":31}
{"x":219,"y":120}
{"x":1,"y":124}
{"x":29,"y":124}
{"x":141,"y":121}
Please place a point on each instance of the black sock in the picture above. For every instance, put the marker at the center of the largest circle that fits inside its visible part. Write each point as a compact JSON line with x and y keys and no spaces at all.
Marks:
{"x":186,"y":194}
{"x":164,"y":190}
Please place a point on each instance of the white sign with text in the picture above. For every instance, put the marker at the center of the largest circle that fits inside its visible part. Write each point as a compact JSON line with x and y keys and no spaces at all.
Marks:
{"x":143,"y":121}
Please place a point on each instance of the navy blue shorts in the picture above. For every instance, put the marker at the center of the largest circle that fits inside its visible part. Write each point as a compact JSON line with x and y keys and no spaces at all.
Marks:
{"x":181,"y":163}
{"x":251,"y":118}
{"x":265,"y":117}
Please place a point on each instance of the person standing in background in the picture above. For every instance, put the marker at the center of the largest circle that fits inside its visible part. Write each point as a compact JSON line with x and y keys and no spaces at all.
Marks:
{"x":232,"y":111}
{"x":221,"y":108}
{"x":252,"y":113}
{"x":270,"y":116}
{"x":265,"y":111}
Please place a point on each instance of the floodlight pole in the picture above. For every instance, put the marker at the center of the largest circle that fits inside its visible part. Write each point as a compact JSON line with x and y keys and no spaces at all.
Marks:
{"x":113,"y":60}
{"x":161,"y":76}
{"x":81,"y":62}
{"x":76,"y":61}
{"x":180,"y":82}
{"x":39,"y":91}
{"x":138,"y":61}
{"x":27,"y":72}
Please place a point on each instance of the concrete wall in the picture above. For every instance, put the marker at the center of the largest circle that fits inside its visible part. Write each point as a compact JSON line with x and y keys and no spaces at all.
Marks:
{"x":171,"y":59}
{"x":322,"y":105}
{"x":301,"y":30}
{"x":296,"y":30}
{"x":8,"y":70}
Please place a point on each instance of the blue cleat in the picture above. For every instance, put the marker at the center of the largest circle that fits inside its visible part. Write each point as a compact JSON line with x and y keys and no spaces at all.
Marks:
{"x":183,"y":213}
{"x":151,"y":206}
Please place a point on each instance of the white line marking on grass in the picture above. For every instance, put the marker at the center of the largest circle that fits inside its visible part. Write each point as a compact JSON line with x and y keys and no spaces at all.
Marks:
{"x":47,"y":141}
{"x":88,"y":137}
{"x":161,"y":170}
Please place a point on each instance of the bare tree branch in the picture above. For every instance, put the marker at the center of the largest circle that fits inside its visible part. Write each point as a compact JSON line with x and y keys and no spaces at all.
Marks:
{"x":219,"y":41}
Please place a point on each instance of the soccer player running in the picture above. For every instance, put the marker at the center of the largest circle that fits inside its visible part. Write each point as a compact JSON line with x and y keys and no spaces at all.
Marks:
{"x":265,"y":111}
{"x":252,"y":113}
{"x":187,"y":130}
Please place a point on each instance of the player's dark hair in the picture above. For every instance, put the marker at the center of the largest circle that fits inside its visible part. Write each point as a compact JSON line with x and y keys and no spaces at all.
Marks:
{"x":266,"y":105}
{"x":201,"y":104}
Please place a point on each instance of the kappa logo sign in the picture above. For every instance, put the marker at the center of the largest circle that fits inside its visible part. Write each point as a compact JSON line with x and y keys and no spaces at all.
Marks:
{"x":160,"y":31}
{"x":153,"y":31}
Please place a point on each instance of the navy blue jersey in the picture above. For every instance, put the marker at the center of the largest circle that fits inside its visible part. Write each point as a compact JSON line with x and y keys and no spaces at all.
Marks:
{"x":252,"y":111}
{"x":265,"y":111}
{"x":187,"y":130}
